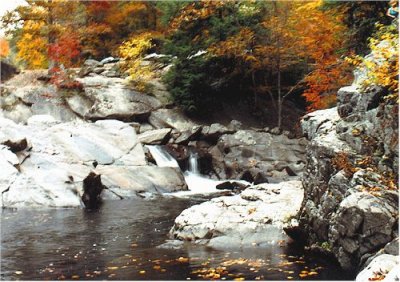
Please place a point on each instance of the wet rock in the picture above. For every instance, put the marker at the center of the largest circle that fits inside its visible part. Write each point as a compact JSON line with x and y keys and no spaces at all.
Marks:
{"x":92,"y":188}
{"x":155,"y":137}
{"x":234,"y":186}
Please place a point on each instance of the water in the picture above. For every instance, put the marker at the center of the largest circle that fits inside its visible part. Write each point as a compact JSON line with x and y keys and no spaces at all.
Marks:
{"x":162,"y":158}
{"x":119,"y":242}
{"x":193,"y":164}
{"x":197,"y":183}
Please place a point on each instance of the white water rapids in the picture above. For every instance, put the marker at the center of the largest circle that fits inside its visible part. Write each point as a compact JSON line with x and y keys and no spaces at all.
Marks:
{"x":197,"y":183}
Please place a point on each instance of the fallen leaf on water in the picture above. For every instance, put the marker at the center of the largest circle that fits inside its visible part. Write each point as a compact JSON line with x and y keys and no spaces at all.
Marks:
{"x":182,"y":259}
{"x":302,"y":275}
{"x":304,"y":272}
{"x":156,"y":267}
{"x":239,"y":279}
{"x":142,"y":272}
{"x":313,"y":273}
{"x":134,"y":245}
{"x":75,"y":276}
{"x":113,"y":267}
{"x":18,"y":272}
{"x":163,"y":270}
{"x":290,"y":277}
{"x":111,"y":275}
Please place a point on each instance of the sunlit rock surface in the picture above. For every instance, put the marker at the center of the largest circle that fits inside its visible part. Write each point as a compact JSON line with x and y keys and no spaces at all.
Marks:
{"x":254,"y":217}
{"x":49,"y":169}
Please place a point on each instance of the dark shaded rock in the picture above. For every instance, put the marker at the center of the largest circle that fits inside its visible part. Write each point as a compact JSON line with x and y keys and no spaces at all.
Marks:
{"x":189,"y":135}
{"x":16,"y":145}
{"x":7,"y":70}
{"x":92,"y":188}
{"x":351,"y":101}
{"x":234,"y":186}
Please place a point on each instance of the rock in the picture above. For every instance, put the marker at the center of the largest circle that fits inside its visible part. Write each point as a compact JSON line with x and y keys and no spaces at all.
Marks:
{"x":79,"y":104}
{"x":350,"y":204}
{"x":172,"y":118}
{"x":249,"y":150}
{"x":92,"y":188}
{"x":109,"y":60}
{"x":112,"y":99}
{"x":383,"y":268}
{"x":91,"y":63}
{"x":231,"y":185}
{"x":188,"y":135}
{"x":62,"y":155}
{"x":214,"y":131}
{"x":351,"y":101}
{"x":10,"y":136}
{"x":142,"y":179}
{"x":7,"y":70}
{"x":38,"y":120}
{"x":235,"y":125}
{"x":144,"y":127}
{"x":254,"y":217}
{"x":155,"y":137}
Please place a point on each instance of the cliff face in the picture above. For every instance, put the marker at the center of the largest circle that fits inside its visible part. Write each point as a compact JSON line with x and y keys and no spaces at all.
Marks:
{"x":350,"y":205}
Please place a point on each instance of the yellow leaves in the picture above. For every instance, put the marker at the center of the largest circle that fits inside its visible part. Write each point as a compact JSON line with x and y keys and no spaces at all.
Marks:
{"x":133,"y":51}
{"x":142,"y":272}
{"x":32,"y":48}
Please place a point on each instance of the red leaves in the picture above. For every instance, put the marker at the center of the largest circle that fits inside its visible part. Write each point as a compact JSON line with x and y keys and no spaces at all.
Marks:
{"x":66,"y":50}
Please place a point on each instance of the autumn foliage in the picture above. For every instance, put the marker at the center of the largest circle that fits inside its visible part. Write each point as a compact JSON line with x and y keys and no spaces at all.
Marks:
{"x":4,"y":48}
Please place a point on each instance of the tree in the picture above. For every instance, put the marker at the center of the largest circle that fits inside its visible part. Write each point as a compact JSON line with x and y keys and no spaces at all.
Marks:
{"x":4,"y":48}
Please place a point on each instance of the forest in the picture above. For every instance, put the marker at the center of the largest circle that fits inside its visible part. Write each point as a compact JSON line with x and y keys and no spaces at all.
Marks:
{"x":243,"y":51}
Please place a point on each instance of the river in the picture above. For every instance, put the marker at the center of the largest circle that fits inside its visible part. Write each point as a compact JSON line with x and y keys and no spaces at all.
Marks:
{"x":120,"y":242}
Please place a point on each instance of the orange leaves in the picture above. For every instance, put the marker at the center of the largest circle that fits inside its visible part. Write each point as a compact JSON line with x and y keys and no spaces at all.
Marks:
{"x":236,"y":46}
{"x":4,"y":48}
{"x":321,"y":34}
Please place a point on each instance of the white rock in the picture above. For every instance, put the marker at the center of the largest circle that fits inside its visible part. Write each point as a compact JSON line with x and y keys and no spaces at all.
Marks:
{"x":386,"y":264}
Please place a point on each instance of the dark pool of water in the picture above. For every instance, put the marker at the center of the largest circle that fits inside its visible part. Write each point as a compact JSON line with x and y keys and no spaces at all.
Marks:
{"x":119,"y":242}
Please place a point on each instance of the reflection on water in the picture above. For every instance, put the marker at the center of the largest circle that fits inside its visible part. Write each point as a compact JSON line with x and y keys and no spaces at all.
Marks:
{"x":119,"y":242}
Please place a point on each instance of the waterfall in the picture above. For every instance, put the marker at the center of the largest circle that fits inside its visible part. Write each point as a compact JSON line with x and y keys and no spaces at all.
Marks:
{"x":197,"y":183}
{"x":193,"y":164}
{"x":162,"y":158}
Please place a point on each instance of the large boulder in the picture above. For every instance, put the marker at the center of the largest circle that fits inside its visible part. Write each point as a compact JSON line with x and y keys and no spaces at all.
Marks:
{"x":351,"y":198}
{"x":171,"y":118}
{"x":155,"y":137}
{"x":112,"y":98}
{"x":254,"y":217}
{"x":250,"y":151}
{"x":138,"y":179}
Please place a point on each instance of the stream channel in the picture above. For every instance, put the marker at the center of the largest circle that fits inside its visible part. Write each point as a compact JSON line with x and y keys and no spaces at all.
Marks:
{"x":120,"y":241}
